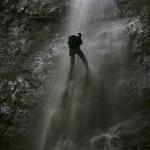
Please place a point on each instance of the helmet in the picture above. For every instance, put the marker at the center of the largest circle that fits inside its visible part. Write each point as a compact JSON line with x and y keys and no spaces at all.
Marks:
{"x":79,"y":34}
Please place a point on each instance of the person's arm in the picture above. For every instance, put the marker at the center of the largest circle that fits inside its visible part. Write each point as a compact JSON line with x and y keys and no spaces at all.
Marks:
{"x":80,"y":38}
{"x":80,"y":42}
{"x":68,"y":40}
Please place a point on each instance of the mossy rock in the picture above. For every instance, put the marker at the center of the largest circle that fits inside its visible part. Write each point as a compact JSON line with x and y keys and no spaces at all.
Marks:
{"x":146,"y":94}
{"x":42,"y":36}
{"x":41,"y":19}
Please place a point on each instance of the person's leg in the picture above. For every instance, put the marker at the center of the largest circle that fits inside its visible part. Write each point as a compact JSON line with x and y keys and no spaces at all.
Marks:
{"x":72,"y":59}
{"x":83,"y":58}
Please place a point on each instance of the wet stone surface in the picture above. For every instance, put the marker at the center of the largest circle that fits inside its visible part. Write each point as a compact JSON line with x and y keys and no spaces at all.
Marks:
{"x":26,"y":58}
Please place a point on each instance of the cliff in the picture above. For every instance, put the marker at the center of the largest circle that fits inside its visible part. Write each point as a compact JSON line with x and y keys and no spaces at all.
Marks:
{"x":27,"y":28}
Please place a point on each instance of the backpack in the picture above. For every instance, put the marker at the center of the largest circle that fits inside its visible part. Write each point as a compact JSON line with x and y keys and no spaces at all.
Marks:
{"x":74,"y":41}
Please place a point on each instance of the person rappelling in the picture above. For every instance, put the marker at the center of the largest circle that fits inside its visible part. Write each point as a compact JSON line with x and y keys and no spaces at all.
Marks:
{"x":74,"y":42}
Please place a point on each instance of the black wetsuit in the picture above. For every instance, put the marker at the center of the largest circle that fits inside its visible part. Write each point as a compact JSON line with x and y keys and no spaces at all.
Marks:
{"x":74,"y":42}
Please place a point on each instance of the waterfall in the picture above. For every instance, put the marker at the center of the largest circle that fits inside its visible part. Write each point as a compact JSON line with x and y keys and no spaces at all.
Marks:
{"x":76,"y":110}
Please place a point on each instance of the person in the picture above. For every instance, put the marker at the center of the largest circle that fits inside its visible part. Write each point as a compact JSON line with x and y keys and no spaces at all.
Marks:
{"x":74,"y":42}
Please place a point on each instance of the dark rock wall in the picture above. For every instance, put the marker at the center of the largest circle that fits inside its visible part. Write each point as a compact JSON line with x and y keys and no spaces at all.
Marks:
{"x":27,"y":28}
{"x":134,"y":133}
{"x":139,"y":13}
{"x":138,"y":60}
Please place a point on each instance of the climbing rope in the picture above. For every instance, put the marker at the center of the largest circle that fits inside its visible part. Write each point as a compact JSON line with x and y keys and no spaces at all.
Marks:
{"x":66,"y":117}
{"x":70,"y":100}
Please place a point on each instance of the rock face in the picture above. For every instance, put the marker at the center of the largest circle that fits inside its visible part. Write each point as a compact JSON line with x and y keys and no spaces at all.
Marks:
{"x":134,"y":134}
{"x":138,"y":63}
{"x":26,"y":31}
{"x":139,"y":14}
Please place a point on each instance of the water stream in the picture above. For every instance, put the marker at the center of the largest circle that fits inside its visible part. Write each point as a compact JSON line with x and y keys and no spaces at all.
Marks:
{"x":78,"y":109}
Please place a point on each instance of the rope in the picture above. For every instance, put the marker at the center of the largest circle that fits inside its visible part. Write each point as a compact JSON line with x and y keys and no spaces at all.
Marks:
{"x":83,"y":93}
{"x":66,"y":118}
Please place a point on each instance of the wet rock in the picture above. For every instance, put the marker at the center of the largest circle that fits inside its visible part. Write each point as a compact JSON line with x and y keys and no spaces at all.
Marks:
{"x":138,"y":51}
{"x":105,"y":141}
{"x":138,"y":12}
{"x":5,"y":112}
{"x":26,"y":30}
{"x":134,"y":134}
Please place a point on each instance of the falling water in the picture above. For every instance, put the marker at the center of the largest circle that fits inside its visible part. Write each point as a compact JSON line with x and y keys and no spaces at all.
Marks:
{"x":77,"y":109}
